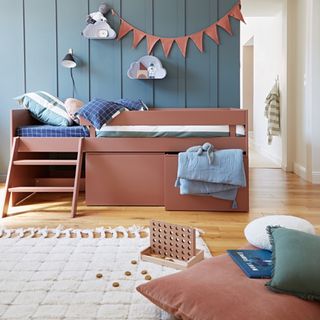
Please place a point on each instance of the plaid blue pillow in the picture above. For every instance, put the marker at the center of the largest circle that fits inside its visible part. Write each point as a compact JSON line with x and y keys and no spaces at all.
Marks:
{"x":99,"y":111}
{"x":133,"y":105}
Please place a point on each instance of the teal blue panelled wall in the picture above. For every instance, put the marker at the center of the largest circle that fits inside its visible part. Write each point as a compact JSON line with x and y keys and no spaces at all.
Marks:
{"x":36,"y":34}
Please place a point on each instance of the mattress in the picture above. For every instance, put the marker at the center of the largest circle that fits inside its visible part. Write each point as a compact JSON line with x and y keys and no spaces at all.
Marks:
{"x":167,"y":131}
{"x":47,"y":131}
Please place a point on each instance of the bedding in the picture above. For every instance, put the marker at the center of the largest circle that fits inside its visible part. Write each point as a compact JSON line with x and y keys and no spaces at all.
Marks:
{"x":167,"y":131}
{"x":128,"y":131}
{"x":47,"y":131}
{"x":133,"y":105}
{"x":100,"y":112}
{"x":46,"y":108}
{"x":202,"y":171}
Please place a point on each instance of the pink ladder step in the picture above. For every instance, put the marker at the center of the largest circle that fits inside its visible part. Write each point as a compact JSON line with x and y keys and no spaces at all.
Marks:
{"x":41,"y":189}
{"x":39,"y":162}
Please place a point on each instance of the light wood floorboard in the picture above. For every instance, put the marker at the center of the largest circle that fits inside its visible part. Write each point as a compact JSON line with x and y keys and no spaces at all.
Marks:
{"x":272,"y":191}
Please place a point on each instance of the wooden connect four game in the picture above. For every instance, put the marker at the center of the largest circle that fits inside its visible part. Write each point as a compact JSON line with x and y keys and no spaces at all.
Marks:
{"x":172,"y":241}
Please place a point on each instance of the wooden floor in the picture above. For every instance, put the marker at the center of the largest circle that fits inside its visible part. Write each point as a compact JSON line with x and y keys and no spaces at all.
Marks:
{"x":272,"y":191}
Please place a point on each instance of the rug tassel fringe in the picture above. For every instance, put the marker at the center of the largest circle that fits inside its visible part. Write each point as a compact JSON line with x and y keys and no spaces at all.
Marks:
{"x":61,"y":232}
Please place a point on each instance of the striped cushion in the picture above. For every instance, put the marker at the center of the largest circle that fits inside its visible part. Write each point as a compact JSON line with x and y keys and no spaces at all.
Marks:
{"x":99,"y":111}
{"x":46,"y":108}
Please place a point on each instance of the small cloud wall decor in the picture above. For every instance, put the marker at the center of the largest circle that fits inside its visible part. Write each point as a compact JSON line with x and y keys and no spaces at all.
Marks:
{"x":147,"y":68}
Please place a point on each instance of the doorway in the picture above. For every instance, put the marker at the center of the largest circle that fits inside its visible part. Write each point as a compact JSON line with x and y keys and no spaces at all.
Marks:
{"x":261,"y":66}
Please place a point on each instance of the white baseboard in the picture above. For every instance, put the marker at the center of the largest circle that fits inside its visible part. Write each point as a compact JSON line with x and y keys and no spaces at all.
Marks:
{"x":316,"y":177}
{"x":266,"y":153}
{"x":3,"y":178}
{"x":300,"y":171}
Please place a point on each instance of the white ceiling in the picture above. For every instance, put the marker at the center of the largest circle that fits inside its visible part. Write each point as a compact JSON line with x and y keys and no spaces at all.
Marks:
{"x":261,"y":8}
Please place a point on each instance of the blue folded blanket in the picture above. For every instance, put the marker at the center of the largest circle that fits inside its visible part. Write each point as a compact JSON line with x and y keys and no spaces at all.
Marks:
{"x":203,"y":171}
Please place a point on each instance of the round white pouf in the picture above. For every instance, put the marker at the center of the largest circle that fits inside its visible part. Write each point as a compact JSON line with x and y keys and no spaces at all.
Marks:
{"x":256,"y":233}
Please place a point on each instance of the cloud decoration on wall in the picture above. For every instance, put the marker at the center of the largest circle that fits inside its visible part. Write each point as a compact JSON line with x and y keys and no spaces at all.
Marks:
{"x":98,"y":26}
{"x":99,"y":30}
{"x":147,"y":68}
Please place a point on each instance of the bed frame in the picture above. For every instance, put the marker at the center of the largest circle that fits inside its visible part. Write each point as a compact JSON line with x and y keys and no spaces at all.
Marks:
{"x":121,"y":171}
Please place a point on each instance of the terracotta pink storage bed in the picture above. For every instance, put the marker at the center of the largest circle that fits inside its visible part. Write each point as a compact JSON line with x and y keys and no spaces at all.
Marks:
{"x":132,"y":170}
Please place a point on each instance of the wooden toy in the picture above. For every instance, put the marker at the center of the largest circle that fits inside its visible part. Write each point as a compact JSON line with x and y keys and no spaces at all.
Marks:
{"x":172,"y":246}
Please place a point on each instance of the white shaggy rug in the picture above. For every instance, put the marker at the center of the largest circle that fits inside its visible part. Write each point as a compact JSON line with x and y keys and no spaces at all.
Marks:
{"x":51,"y":274}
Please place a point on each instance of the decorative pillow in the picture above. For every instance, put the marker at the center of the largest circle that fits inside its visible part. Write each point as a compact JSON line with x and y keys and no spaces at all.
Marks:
{"x":296,"y":263}
{"x":99,"y":111}
{"x":73,"y":106}
{"x":133,"y":105}
{"x":45,"y":108}
{"x":256,"y":233}
{"x":216,"y":288}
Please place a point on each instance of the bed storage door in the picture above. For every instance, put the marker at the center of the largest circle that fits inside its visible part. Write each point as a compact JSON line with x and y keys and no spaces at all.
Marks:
{"x":174,"y":201}
{"x":125,"y":179}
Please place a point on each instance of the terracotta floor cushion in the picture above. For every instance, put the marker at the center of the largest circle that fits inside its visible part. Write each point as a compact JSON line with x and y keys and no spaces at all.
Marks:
{"x":216,"y":289}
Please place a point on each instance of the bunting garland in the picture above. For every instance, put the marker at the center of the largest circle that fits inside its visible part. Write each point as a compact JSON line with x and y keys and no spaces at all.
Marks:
{"x":182,"y":42}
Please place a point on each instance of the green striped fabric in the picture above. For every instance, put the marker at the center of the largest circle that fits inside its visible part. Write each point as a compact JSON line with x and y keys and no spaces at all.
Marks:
{"x":159,"y":134}
{"x":166,"y":131}
{"x":46,"y":108}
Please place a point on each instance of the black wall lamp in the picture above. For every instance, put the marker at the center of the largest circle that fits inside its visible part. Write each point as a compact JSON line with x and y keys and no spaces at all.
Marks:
{"x":69,"y":62}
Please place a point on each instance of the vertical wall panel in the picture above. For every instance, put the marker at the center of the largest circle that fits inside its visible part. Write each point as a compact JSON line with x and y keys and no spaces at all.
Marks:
{"x":169,"y":21}
{"x":40,"y":40}
{"x":202,"y":68}
{"x":229,"y":61}
{"x":105,"y":59}
{"x":11,"y":70}
{"x":139,"y":14}
{"x":71,"y":21}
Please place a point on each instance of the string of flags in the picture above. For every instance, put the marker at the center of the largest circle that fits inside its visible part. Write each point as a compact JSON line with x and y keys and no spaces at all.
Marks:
{"x":182,"y":42}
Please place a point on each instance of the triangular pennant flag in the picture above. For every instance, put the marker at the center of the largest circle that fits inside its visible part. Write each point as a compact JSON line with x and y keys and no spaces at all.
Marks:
{"x":225,"y":24}
{"x":137,"y":37}
{"x":151,"y":41}
{"x":125,"y":27}
{"x":182,"y":43}
{"x":197,"y":38}
{"x":212,"y":32}
{"x":236,"y":13}
{"x":167,"y":45}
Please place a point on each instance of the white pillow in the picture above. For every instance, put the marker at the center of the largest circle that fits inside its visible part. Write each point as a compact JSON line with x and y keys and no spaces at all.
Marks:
{"x":256,"y":233}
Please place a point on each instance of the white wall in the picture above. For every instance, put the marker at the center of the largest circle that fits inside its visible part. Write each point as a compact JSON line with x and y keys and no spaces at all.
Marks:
{"x":299,"y":90}
{"x":303,"y":86}
{"x":316,"y":91}
{"x":267,"y":33}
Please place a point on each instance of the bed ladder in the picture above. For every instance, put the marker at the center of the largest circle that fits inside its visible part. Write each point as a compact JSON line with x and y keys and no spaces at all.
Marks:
{"x":14,"y":161}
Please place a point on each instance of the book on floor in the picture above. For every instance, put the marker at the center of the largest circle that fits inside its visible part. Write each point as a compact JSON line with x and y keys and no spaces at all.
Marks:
{"x":254,"y":263}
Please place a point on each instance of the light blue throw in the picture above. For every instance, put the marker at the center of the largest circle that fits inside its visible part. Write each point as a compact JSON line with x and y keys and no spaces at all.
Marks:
{"x":203,"y":171}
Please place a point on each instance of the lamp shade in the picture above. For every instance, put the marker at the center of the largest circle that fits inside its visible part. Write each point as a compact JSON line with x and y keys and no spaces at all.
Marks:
{"x":68,"y":61}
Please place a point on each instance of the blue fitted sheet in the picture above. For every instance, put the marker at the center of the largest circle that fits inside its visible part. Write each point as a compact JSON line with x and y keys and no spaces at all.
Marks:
{"x":47,"y":131}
